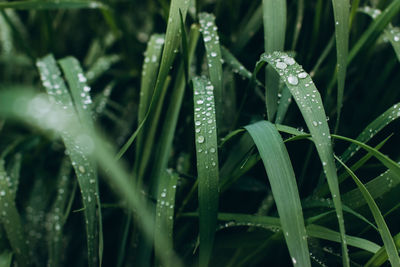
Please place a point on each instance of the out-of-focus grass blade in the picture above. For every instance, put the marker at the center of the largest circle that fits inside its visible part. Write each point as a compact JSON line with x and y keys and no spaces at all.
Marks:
{"x":274,"y":17}
{"x":381,"y":256}
{"x":100,"y":66}
{"x":377,"y":187}
{"x":316,"y":231}
{"x":14,"y":173}
{"x":165,"y":208}
{"x":310,"y":104}
{"x":40,"y":4}
{"x":172,"y":42}
{"x":207,"y":164}
{"x":284,"y":188}
{"x":299,"y":22}
{"x":341,"y":11}
{"x":6,"y":38}
{"x":6,"y":258}
{"x":375,"y":29}
{"x":37,"y":111}
{"x":10,"y":218}
{"x":79,"y":147}
{"x":213,"y":51}
{"x":56,"y":217}
{"x":380,"y":221}
{"x":246,"y":32}
{"x":390,"y":33}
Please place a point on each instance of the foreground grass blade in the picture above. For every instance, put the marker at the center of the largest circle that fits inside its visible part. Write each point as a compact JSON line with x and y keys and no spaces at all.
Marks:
{"x":10,"y":218}
{"x":381,"y":256}
{"x":213,"y":51}
{"x":37,"y":111}
{"x":165,"y":209}
{"x":207,"y":165}
{"x":274,"y":17}
{"x":40,"y":4}
{"x":309,"y":102}
{"x":284,"y":188}
{"x":77,"y":148}
{"x":341,"y":10}
{"x":380,"y":221}
{"x":177,"y":10}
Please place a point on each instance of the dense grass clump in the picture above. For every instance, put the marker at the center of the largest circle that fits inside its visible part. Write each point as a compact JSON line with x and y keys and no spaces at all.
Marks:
{"x":199,"y":133}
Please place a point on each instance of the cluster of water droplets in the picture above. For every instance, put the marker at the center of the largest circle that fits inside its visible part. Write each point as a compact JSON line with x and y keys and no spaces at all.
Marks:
{"x":153,"y":52}
{"x":210,"y":37}
{"x":204,"y":121}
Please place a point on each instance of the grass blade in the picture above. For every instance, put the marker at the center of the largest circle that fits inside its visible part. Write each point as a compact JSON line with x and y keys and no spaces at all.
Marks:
{"x":309,"y":102}
{"x":284,"y":188}
{"x":207,"y":165}
{"x":380,"y":221}
{"x":40,"y":4}
{"x":100,"y":66}
{"x":381,"y":256}
{"x":213,"y":51}
{"x":341,"y":10}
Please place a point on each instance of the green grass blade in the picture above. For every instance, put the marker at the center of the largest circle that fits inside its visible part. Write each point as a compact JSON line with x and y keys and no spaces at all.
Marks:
{"x":6,"y":258}
{"x":299,"y":23}
{"x":375,"y":29}
{"x":284,"y":103}
{"x":207,"y":164}
{"x":164,"y":224}
{"x":381,"y":256}
{"x":172,"y":42}
{"x":100,"y":66}
{"x":213,"y":51}
{"x":11,"y":220}
{"x":380,"y":221}
{"x":284,"y":188}
{"x":40,"y":4}
{"x":77,"y":148}
{"x":274,"y":17}
{"x":309,"y":102}
{"x":249,"y":29}
{"x":341,"y":10}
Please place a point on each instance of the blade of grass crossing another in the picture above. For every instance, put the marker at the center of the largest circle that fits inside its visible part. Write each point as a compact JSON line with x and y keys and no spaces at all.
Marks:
{"x":78,"y":148}
{"x":178,"y":10}
{"x":310,"y":104}
{"x":207,"y":165}
{"x":284,"y":188}
{"x":274,"y":18}
{"x":10,"y":218}
{"x":380,"y":221}
{"x":214,"y":59}
{"x":341,"y":11}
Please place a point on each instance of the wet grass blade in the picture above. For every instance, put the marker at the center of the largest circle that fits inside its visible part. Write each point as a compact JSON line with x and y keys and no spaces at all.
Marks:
{"x":274,"y":17}
{"x":40,"y":4}
{"x":310,"y":104}
{"x":100,"y":66}
{"x":341,"y":10}
{"x":214,"y":59}
{"x":381,"y":256}
{"x":207,"y":164}
{"x":77,"y":148}
{"x":284,"y":188}
{"x":380,"y":221}
{"x":172,"y":43}
{"x":11,"y":220}
{"x":164,"y":224}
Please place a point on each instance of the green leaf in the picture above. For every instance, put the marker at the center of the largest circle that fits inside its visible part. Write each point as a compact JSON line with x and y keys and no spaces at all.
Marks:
{"x":40,"y":4}
{"x":274,"y":17}
{"x":284,"y":188}
{"x":207,"y":164}
{"x":309,"y":102}
{"x":380,"y":221}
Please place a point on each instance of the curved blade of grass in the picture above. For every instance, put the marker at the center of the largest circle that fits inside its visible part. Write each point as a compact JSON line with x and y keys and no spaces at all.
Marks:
{"x":341,"y":11}
{"x":284,"y":188}
{"x":213,"y":51}
{"x":40,"y":4}
{"x":274,"y":17}
{"x":207,"y":164}
{"x":100,"y":66}
{"x":77,"y":148}
{"x":316,"y":231}
{"x":309,"y":102}
{"x":299,"y":22}
{"x":380,"y":221}
{"x":381,"y":256}
{"x":115,"y":173}
{"x":377,"y":187}
{"x":164,"y":224}
{"x":391,"y":33}
{"x":172,"y":42}
{"x":11,"y":220}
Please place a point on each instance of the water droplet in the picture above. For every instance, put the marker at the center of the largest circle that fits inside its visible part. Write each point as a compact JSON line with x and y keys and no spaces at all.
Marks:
{"x":292,"y":80}
{"x":213,"y":54}
{"x":81,"y":169}
{"x":2,"y":193}
{"x":294,"y":260}
{"x":212,"y":150}
{"x":199,"y":102}
{"x":302,"y":75}
{"x":200,"y":139}
{"x":281,"y":65}
{"x":315,"y":123}
{"x":290,"y":61}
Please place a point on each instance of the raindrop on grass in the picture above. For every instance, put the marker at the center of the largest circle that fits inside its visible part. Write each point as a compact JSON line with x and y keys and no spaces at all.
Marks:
{"x":293,"y":80}
{"x":200,"y":139}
